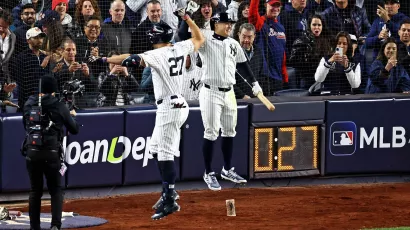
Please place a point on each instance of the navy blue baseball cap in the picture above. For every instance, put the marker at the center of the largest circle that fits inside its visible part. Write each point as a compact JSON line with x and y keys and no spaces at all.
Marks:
{"x":392,"y":1}
{"x":49,"y":16}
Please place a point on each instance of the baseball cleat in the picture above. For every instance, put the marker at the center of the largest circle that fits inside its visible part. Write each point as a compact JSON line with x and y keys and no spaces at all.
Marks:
{"x":211,"y":181}
{"x":175,"y":196}
{"x":232,"y":176}
{"x":165,"y":208}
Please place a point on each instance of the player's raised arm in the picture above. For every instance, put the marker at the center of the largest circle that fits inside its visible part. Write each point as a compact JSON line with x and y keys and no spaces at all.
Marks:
{"x":128,"y":60}
{"x":197,"y":37}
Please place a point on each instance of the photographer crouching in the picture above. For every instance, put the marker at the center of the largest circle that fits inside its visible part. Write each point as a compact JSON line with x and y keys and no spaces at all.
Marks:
{"x":44,"y":117}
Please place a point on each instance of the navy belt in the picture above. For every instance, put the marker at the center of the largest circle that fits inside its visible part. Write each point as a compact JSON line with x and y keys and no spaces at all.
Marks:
{"x":220,"y":89}
{"x":162,"y":100}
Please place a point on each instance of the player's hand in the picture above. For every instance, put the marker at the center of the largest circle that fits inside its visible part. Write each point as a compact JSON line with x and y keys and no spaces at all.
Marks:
{"x":256,"y":89}
{"x":178,"y":103}
{"x":131,"y":61}
{"x":192,"y":7}
{"x":9,"y":87}
{"x":246,"y":97}
{"x":96,"y":59}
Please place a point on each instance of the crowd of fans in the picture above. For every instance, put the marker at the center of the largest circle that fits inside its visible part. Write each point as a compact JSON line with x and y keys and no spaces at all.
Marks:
{"x":323,"y":47}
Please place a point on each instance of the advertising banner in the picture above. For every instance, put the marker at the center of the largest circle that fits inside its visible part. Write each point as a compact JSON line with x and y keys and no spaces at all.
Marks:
{"x":367,"y":136}
{"x":192,"y":163}
{"x":14,"y":176}
{"x":94,"y":156}
{"x":139,"y":166}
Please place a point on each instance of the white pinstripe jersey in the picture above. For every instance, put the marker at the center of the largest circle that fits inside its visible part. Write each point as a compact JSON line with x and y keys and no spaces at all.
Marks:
{"x":220,"y":58}
{"x":166,"y":65}
{"x":192,"y":79}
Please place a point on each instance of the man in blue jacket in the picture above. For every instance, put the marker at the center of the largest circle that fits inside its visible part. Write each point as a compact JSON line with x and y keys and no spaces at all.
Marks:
{"x":386,"y":25}
{"x":294,"y":18}
{"x":346,"y":16}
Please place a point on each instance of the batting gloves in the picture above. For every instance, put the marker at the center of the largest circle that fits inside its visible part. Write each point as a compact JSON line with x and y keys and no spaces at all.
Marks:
{"x":178,"y":103}
{"x":99,"y":60}
{"x":191,"y":8}
{"x":256,"y":89}
{"x":131,"y":61}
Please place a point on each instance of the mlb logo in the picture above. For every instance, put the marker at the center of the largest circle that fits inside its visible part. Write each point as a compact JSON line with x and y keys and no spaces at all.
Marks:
{"x":342,"y":138}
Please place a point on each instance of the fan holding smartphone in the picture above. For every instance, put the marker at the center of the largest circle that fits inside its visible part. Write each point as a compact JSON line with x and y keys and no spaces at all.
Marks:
{"x":340,"y":72}
{"x":340,"y":54}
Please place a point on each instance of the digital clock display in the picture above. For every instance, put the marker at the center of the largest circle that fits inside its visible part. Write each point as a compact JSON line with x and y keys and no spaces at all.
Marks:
{"x":282,"y":149}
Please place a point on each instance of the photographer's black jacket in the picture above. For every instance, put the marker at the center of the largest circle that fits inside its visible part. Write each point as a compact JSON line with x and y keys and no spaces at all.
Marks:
{"x":64,"y":75}
{"x":59,"y":114}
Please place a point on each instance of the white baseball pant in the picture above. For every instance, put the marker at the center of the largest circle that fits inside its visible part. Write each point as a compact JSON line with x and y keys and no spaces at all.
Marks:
{"x":167,"y":131}
{"x":218,"y":111}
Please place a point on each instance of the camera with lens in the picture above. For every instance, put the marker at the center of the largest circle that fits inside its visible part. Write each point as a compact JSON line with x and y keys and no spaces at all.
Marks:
{"x":70,"y":89}
{"x":73,"y":87}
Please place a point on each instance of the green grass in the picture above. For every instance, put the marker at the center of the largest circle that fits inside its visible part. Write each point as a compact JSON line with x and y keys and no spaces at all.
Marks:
{"x":397,"y":228}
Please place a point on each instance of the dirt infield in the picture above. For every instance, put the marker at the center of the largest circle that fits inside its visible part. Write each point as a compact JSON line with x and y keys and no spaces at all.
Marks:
{"x":318,"y":207}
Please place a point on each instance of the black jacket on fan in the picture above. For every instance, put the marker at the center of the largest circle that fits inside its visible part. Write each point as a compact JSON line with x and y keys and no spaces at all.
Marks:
{"x":84,"y":51}
{"x":58,"y":114}
{"x":305,"y":57}
{"x":118,"y":36}
{"x":110,"y":85}
{"x":242,"y":88}
{"x":27,"y":74}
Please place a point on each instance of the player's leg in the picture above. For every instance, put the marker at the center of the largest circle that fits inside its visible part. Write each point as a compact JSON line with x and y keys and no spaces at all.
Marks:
{"x":183,"y":117}
{"x":169,"y":133}
{"x":210,"y":103}
{"x":155,"y":139}
{"x":229,"y":119}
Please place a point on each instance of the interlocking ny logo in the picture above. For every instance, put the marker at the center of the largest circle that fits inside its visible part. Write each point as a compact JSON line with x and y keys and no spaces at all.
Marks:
{"x":233,"y":49}
{"x":195,"y":85}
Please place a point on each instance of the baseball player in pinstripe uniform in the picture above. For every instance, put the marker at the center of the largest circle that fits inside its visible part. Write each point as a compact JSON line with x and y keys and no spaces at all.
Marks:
{"x":167,"y":62}
{"x":193,"y":72}
{"x":222,"y":56}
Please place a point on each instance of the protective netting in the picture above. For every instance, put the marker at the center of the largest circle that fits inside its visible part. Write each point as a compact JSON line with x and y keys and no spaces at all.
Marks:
{"x":295,"y":47}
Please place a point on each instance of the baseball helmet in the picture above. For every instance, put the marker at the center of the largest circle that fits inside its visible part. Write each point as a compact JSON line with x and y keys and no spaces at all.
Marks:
{"x":160,"y":33}
{"x":221,"y":17}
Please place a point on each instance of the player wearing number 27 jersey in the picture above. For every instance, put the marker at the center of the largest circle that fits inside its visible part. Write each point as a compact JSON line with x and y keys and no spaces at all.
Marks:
{"x":166,"y":62}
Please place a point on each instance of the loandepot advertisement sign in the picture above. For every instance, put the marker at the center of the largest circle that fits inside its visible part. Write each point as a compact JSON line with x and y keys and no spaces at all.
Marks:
{"x":94,"y":151}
